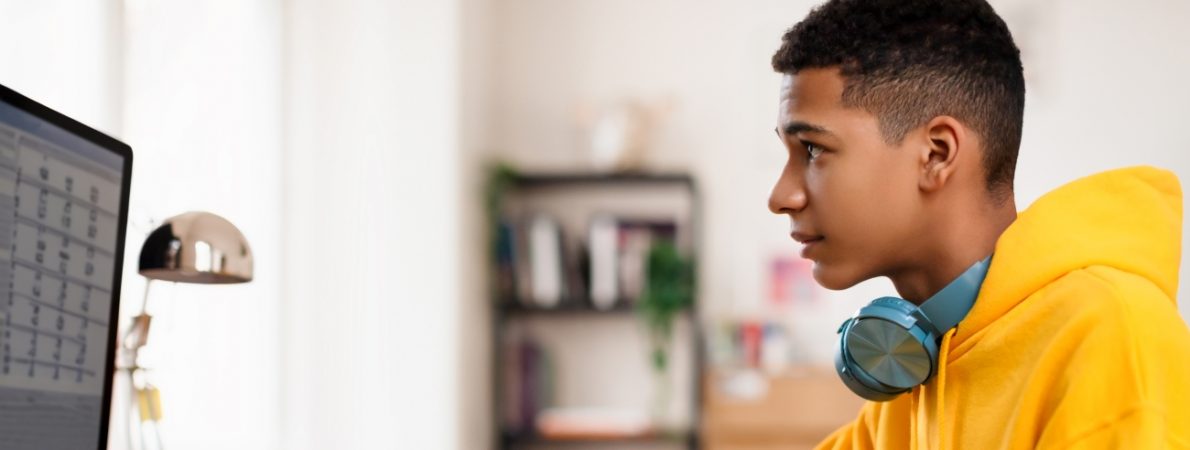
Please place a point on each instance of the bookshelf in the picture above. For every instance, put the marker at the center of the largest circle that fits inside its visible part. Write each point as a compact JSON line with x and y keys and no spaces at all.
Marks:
{"x":577,"y":333}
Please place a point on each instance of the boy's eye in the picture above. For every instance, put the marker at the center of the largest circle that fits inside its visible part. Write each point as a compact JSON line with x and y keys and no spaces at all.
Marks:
{"x":813,"y":149}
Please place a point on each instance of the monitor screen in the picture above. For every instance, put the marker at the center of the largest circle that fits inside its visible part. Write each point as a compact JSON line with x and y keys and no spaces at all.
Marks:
{"x":63,"y":211}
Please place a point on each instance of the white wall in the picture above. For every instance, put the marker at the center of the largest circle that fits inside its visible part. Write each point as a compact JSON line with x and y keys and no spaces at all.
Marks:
{"x":713,"y":58}
{"x":1106,"y":89}
{"x":1110,"y":91}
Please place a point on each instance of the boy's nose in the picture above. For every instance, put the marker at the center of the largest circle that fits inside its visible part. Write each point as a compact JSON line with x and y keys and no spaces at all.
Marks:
{"x":788,"y":195}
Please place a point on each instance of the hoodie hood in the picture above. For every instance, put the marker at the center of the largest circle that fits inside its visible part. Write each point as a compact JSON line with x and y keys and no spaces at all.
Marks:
{"x":1128,"y":219}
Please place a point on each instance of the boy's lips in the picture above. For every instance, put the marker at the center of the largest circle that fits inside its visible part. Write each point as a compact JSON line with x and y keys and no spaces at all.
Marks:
{"x":805,"y":238}
{"x":808,"y":241}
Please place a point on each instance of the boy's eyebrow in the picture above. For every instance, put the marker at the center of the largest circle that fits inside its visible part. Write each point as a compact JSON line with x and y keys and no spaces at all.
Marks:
{"x":796,"y":127}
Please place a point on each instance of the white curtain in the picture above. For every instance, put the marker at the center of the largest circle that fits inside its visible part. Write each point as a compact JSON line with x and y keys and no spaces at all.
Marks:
{"x":60,"y":53}
{"x":201,"y":102}
{"x":194,"y":88}
{"x":371,"y":251}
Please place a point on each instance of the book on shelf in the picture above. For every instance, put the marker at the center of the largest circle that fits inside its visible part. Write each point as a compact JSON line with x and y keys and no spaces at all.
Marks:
{"x":546,"y":278}
{"x":506,"y":256}
{"x":533,"y":265}
{"x":603,"y":245}
{"x":538,"y":267}
{"x":527,"y":383}
{"x":635,"y":239}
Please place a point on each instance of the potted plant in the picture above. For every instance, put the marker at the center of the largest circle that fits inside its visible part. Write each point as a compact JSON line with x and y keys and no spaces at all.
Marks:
{"x":669,"y":290}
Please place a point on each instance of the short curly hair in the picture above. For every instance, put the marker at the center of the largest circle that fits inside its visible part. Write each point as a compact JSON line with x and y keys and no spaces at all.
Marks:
{"x":908,"y":61}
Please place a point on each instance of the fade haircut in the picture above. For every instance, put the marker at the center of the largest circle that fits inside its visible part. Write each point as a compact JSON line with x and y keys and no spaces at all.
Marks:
{"x":908,"y":61}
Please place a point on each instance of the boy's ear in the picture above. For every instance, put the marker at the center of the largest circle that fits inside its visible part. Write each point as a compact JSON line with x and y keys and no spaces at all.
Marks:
{"x":945,"y":138}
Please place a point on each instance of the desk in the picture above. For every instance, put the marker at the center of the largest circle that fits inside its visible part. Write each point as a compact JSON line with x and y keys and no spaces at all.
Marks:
{"x":798,"y":409}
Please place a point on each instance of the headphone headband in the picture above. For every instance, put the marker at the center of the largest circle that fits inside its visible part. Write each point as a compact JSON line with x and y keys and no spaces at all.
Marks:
{"x":949,"y":306}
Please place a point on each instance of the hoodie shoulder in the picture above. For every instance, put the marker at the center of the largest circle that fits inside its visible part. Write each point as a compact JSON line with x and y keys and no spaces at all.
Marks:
{"x":1149,"y":318}
{"x":1111,"y":300}
{"x":1120,"y":346}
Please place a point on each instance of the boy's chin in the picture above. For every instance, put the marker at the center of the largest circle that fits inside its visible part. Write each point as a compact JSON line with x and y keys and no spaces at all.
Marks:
{"x":835,"y":278}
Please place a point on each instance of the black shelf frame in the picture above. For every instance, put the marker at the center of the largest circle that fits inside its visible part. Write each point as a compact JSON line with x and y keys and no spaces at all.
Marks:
{"x":516,"y":307}
{"x":559,"y":179}
{"x":505,"y":309}
{"x":512,"y":440}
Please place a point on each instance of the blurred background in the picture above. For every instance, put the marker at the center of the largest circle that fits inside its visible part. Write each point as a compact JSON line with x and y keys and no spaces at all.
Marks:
{"x":492,"y":224}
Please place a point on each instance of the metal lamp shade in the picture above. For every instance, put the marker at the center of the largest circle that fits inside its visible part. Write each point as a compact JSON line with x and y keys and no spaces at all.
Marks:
{"x":197,"y":247}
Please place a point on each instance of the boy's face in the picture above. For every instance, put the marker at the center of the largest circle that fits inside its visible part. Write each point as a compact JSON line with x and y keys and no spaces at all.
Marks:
{"x":852,"y":198}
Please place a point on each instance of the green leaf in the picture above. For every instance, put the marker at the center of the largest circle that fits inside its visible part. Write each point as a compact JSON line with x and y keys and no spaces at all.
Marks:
{"x":669,"y":289}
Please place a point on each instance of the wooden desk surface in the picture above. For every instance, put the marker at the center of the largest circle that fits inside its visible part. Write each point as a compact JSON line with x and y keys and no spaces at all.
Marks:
{"x":799,"y":409}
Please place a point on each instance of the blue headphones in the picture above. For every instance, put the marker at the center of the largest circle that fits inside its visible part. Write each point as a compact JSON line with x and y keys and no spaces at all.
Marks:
{"x":891,"y":345}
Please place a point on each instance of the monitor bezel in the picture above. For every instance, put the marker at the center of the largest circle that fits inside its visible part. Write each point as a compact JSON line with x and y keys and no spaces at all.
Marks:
{"x":114,"y":145}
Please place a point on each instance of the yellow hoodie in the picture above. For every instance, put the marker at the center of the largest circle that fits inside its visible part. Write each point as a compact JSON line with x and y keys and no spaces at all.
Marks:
{"x":1074,"y":341}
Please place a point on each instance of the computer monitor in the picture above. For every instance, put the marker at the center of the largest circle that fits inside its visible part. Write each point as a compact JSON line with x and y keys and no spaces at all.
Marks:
{"x":63,"y":213}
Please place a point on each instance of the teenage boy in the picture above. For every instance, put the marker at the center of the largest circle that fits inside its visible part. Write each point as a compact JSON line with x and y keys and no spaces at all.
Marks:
{"x":902,"y":120}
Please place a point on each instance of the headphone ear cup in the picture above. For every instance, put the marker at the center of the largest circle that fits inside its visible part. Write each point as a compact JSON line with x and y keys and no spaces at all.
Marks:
{"x":847,"y":373}
{"x":885,"y":327}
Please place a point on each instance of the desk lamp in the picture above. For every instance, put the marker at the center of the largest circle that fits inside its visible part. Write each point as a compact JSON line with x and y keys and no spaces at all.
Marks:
{"x":195,"y":247}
